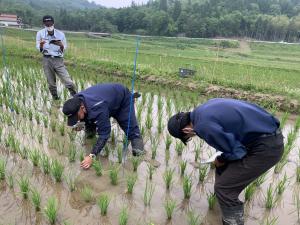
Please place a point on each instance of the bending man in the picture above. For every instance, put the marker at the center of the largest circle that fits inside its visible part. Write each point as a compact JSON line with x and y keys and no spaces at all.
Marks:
{"x":95,"y":106}
{"x":248,"y":137}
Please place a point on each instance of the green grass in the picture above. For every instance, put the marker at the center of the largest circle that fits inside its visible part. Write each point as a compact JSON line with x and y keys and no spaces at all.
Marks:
{"x":51,"y":210}
{"x":45,"y":163}
{"x":202,"y":172}
{"x":72,"y":153}
{"x":103,"y":203}
{"x":148,"y":193}
{"x":270,"y":198}
{"x":249,"y":191}
{"x":135,"y":161}
{"x":182,"y":167}
{"x":34,"y":156}
{"x":151,"y":170}
{"x":262,"y":66}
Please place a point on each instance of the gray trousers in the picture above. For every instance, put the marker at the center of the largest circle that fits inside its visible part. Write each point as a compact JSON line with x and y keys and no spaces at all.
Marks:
{"x":53,"y":67}
{"x":263,"y":153}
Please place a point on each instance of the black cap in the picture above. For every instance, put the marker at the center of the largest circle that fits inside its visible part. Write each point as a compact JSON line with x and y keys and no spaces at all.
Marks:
{"x":177,"y":123}
{"x":70,"y":109}
{"x":48,"y":18}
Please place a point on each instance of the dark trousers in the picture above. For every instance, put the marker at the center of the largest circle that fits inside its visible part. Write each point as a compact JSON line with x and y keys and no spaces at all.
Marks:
{"x":122,"y":118}
{"x":263,"y":153}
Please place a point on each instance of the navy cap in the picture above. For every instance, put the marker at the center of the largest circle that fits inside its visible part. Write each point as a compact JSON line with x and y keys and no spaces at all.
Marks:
{"x":176,"y":123}
{"x":70,"y":109}
{"x":48,"y":18}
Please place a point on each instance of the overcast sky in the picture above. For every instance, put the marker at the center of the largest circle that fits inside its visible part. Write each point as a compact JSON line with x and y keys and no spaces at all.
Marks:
{"x":117,"y":3}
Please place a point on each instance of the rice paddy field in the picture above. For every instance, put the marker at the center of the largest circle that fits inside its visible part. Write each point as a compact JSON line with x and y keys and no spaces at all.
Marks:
{"x":40,"y":177}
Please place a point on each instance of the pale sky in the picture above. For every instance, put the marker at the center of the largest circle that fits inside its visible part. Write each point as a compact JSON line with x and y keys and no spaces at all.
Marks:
{"x":117,"y":3}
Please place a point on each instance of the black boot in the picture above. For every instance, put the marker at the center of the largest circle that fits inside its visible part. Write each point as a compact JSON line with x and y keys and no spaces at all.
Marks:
{"x":233,"y":215}
{"x":72,"y":91}
{"x":137,"y":146}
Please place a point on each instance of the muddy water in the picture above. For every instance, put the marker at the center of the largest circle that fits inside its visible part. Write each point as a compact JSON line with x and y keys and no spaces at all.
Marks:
{"x":73,"y":209}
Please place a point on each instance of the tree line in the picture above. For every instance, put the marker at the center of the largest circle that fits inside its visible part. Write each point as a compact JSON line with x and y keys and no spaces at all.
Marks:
{"x":274,"y":20}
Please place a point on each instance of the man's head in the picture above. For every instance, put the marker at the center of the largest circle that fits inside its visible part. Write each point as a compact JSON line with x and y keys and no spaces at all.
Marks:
{"x":75,"y":110}
{"x":179,"y":126}
{"x":48,"y":22}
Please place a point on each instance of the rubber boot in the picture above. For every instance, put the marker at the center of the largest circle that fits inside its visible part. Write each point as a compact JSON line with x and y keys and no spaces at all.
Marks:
{"x":233,"y":215}
{"x":72,"y":91}
{"x":137,"y":146}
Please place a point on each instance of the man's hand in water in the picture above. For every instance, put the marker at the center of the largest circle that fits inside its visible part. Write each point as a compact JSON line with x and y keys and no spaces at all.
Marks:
{"x":86,"y":163}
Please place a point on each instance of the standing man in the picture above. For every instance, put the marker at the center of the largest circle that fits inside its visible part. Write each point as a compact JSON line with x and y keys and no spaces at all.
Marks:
{"x":248,"y":137}
{"x":52,"y":44}
{"x":95,"y":106}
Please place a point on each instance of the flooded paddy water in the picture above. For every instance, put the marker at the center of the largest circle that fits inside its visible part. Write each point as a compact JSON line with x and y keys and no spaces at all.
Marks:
{"x":40,"y":125}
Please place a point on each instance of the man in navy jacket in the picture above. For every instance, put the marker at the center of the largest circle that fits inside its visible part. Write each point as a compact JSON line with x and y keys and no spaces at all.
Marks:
{"x":95,"y":106}
{"x":248,"y":137}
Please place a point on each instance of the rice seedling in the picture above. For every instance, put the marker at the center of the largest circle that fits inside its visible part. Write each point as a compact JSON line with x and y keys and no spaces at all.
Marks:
{"x":24,"y":186}
{"x":10,"y":181}
{"x":298,"y":174}
{"x":148,"y":193}
{"x":160,"y":123}
{"x":283,"y":120}
{"x":72,"y":153}
{"x":168,"y":142}
{"x":45,"y":121}
{"x":182,"y":167}
{"x":72,"y":136}
{"x":259,"y":181}
{"x":2,"y":168}
{"x":34,"y":156}
{"x":212,"y":199}
{"x":168,"y":177}
{"x":120,"y":154}
{"x":187,"y":186}
{"x":103,"y":202}
{"x":123,"y":217}
{"x":36,"y":199}
{"x":51,"y":210}
{"x":297,"y":203}
{"x":70,"y":180}
{"x":30,"y":114}
{"x":148,"y":121}
{"x":202,"y":172}
{"x":62,"y":129}
{"x":37,"y":118}
{"x":193,"y":219}
{"x":281,"y":185}
{"x":197,"y":153}
{"x":179,"y":148}
{"x":56,"y":170}
{"x":98,"y":167}
{"x":170,"y":205}
{"x":270,"y":221}
{"x":270,"y":199}
{"x":151,"y":169}
{"x":153,"y":151}
{"x":113,"y":174}
{"x":40,"y":137}
{"x":53,"y":125}
{"x":249,"y":191}
{"x":87,"y":193}
{"x":167,"y":157}
{"x":45,"y":163}
{"x":135,"y":162}
{"x":81,"y":155}
{"x":131,"y":180}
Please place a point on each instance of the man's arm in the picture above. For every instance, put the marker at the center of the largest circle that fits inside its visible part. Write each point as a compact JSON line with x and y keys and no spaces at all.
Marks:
{"x":39,"y":42}
{"x":225,"y":142}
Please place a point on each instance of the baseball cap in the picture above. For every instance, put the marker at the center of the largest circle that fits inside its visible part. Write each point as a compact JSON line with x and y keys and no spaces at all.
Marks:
{"x":176,"y":123}
{"x":70,"y":109}
{"x":48,"y":18}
